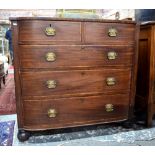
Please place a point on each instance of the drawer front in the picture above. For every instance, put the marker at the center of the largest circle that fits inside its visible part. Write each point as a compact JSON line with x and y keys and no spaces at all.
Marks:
{"x":74,"y":56}
{"x":109,"y":32}
{"x":37,"y":31}
{"x":45,"y":83}
{"x":57,"y":113}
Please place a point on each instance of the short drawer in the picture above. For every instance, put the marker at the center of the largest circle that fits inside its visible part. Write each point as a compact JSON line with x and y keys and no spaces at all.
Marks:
{"x":74,"y":56}
{"x":49,"y":31}
{"x":109,"y":32}
{"x":75,"y":82}
{"x":69,"y":112}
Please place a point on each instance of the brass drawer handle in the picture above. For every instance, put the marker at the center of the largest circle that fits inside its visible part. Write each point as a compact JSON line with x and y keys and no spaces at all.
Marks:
{"x":112,"y":32}
{"x":52,"y":113}
{"x":50,"y":31}
{"x":50,"y":56}
{"x":112,"y":55}
{"x":111,"y":81}
{"x":109,"y":107}
{"x":51,"y":84}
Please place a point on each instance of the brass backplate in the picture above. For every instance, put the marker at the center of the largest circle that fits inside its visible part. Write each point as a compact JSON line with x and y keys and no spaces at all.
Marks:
{"x":111,"y":81}
{"x":50,"y":56}
{"x":52,"y":113}
{"x":112,"y":55}
{"x":50,"y":31}
{"x":109,"y":107}
{"x":51,"y":84}
{"x":112,"y":32}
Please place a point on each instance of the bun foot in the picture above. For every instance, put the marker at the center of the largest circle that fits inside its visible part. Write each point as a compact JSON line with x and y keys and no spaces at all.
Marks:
{"x":23,"y":135}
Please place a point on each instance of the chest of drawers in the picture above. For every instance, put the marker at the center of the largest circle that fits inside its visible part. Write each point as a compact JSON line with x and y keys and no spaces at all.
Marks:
{"x":145,"y":94}
{"x":73,"y":72}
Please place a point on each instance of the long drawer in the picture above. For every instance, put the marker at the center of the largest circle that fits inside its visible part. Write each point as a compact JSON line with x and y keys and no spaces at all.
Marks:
{"x":44,"y":83}
{"x":74,"y":56}
{"x":48,"y":31}
{"x":109,"y":32}
{"x":65,"y":112}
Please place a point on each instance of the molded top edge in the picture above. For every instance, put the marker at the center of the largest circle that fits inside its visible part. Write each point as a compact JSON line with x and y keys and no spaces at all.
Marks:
{"x":71,"y":19}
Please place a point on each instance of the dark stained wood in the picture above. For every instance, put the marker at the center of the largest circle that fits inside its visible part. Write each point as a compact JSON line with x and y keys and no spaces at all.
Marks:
{"x":72,"y":19}
{"x":80,"y":70}
{"x":23,"y":135}
{"x":35,"y":31}
{"x":98,"y":32}
{"x":147,"y":23}
{"x":75,"y":111}
{"x":79,"y":56}
{"x":74,"y":82}
{"x":134,"y":73}
{"x":145,"y":102}
{"x":19,"y":104}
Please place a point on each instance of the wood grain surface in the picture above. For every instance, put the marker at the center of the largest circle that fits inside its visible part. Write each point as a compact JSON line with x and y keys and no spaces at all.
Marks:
{"x":80,"y":70}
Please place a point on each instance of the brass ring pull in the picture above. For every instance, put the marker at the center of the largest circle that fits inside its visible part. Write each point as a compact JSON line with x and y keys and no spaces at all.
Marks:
{"x":50,"y":56}
{"x":52,"y":113}
{"x":51,"y":84}
{"x":112,"y":32}
{"x":112,"y":55}
{"x":50,"y":31}
{"x":109,"y":107}
{"x":111,"y":81}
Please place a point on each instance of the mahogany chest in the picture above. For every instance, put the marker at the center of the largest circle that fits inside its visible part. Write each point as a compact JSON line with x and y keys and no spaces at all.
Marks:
{"x":73,"y":72}
{"x":145,"y":93}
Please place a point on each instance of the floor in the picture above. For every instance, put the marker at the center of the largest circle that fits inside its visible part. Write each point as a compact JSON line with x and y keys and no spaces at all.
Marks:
{"x":101,"y":136}
{"x":108,"y":140}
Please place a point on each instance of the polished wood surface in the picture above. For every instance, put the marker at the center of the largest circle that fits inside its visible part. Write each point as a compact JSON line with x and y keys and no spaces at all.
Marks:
{"x":75,"y":82}
{"x":19,"y":105}
{"x":71,"y":19}
{"x":86,"y":56}
{"x":125,"y":33}
{"x":74,"y":111}
{"x":86,"y":80}
{"x":35,"y":31}
{"x":145,"y":102}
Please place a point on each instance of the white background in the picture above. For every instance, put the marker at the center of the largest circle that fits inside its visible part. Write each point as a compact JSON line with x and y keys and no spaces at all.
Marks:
{"x":77,"y":4}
